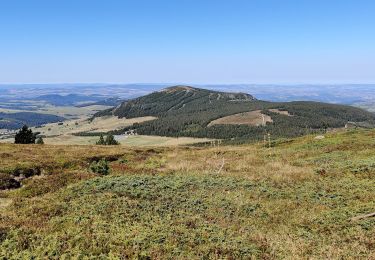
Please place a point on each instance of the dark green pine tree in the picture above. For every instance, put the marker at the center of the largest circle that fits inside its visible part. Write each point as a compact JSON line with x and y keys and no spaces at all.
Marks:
{"x":39,"y":140}
{"x":25,"y":136}
{"x":101,"y":140}
{"x":111,"y":140}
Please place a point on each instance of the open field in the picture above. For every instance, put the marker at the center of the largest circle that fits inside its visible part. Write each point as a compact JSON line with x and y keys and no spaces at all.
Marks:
{"x":70,"y":112}
{"x":294,"y":200}
{"x":254,"y":118}
{"x":148,"y":140}
{"x":102,"y":124}
{"x":133,"y":140}
{"x":57,"y":134}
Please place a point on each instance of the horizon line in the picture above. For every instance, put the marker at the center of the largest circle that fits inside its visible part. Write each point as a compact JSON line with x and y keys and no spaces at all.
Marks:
{"x":184,"y":83}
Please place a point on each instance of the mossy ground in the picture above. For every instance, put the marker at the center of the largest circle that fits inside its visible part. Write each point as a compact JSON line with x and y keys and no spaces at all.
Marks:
{"x":291,"y":201}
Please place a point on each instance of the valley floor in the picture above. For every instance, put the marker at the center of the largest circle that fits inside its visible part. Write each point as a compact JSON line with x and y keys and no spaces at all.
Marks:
{"x":294,"y":200}
{"x":66,"y":133}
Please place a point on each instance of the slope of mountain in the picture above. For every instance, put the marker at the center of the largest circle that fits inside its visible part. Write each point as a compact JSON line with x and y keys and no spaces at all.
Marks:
{"x":188,"y":111}
{"x":178,"y":98}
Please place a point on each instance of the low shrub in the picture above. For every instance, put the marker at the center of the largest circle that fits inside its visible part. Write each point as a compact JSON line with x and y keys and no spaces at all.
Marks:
{"x":101,"y":167}
{"x":110,"y":140}
{"x":7,"y":182}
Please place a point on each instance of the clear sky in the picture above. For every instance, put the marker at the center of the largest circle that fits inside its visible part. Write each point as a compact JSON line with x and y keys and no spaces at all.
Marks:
{"x":190,"y":41}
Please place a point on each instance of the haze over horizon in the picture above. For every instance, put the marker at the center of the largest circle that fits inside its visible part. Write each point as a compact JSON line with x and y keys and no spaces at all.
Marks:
{"x":197,"y":42}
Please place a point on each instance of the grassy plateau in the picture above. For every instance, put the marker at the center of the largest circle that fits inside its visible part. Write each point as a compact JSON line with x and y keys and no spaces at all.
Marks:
{"x":292,"y":200}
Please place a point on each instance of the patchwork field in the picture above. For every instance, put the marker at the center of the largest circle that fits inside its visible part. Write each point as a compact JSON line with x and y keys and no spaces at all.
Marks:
{"x":293,"y":200}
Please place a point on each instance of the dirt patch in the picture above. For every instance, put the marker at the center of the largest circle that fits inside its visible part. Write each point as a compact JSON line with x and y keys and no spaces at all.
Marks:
{"x":5,"y":155}
{"x":4,"y":202}
{"x":109,"y":158}
{"x":254,"y":118}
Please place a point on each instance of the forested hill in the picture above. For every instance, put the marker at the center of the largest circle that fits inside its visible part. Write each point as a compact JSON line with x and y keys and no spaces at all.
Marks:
{"x":17,"y":120}
{"x":175,"y":99}
{"x":188,"y":111}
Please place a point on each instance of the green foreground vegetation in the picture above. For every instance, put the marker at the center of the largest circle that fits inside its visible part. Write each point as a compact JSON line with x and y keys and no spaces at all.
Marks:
{"x":292,"y":200}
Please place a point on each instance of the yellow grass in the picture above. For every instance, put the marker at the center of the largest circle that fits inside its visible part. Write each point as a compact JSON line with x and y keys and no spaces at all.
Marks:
{"x":148,"y":140}
{"x":71,"y":140}
{"x":134,"y":140}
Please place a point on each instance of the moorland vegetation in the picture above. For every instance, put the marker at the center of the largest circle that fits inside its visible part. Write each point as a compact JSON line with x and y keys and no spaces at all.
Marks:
{"x":293,"y":198}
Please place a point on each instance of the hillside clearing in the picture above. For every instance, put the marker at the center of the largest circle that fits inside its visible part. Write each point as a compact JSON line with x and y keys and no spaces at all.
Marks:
{"x":281,"y":112}
{"x":254,"y":118}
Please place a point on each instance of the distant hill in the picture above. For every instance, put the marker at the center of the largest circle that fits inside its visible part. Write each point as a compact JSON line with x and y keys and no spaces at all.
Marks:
{"x":105,"y":102}
{"x":188,"y":111}
{"x":17,"y":120}
{"x":69,"y":100}
{"x":176,"y":99}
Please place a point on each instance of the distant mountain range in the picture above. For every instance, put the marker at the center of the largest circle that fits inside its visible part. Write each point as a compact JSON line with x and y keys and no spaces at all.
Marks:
{"x":362,"y":95}
{"x":188,"y":111}
{"x":340,"y":94}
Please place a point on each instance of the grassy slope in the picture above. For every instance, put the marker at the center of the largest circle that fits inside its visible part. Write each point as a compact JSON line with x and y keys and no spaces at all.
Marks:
{"x":290,"y":201}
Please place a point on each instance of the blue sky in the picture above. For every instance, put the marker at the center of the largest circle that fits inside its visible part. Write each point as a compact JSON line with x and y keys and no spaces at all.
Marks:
{"x":190,"y":41}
